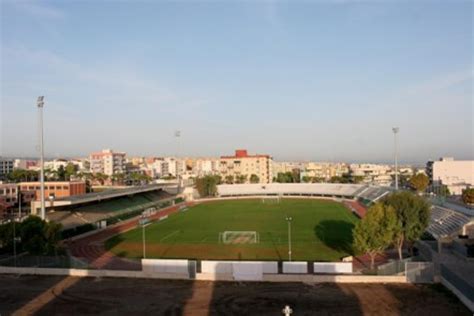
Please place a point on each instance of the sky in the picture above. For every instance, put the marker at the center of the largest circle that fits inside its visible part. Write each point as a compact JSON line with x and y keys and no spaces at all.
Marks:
{"x":299,"y":80}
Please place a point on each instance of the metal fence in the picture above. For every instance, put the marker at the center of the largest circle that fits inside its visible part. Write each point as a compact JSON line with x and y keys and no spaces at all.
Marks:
{"x":44,"y":262}
{"x":420,"y":272}
{"x":393,"y":267}
{"x":463,"y":286}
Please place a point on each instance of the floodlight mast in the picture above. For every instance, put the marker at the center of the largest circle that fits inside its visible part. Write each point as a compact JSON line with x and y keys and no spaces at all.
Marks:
{"x":177,"y":135}
{"x":40,"y":104}
{"x":395,"y":134}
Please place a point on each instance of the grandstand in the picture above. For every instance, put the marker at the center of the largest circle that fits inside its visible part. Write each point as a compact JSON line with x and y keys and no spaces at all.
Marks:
{"x":84,"y":209}
{"x":338,"y":190}
{"x":447,"y":223}
{"x":372,"y":194}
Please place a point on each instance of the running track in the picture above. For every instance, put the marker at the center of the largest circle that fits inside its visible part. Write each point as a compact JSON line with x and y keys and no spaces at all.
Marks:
{"x":91,"y":248}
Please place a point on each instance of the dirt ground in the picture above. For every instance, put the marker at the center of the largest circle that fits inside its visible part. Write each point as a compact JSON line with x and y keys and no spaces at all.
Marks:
{"x":45,"y":295}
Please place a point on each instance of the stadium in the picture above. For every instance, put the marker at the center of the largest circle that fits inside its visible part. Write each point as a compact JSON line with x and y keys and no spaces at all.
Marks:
{"x":252,"y":222}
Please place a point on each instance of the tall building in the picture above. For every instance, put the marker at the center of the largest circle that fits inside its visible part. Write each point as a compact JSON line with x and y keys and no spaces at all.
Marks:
{"x":247,"y":165}
{"x":455,"y":174}
{"x":107,"y":162}
{"x":6,"y":166}
{"x":205,"y":166}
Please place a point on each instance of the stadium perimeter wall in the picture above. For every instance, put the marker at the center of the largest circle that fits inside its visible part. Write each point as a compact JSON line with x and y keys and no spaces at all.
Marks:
{"x":205,"y":276}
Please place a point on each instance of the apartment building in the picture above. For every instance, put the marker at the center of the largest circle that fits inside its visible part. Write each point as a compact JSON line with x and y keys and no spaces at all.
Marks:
{"x":205,"y":166}
{"x":9,"y":193}
{"x":107,"y":162}
{"x":6,"y":166}
{"x":244,"y":164}
{"x":373,"y":173}
{"x":325,"y":170}
{"x":455,"y":174}
{"x":25,"y":164}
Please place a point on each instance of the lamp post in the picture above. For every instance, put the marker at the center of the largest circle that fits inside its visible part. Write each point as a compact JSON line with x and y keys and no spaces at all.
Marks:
{"x":289,"y":219}
{"x":40,"y":104}
{"x":143,"y":221}
{"x":395,"y":132}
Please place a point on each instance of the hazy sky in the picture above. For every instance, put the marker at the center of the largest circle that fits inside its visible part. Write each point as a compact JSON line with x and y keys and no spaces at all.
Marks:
{"x":300,"y":80}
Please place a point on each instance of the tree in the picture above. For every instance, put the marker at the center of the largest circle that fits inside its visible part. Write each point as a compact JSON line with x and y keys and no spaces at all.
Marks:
{"x":52,"y":234}
{"x":306,"y":179}
{"x":374,"y":233}
{"x":317,"y":180}
{"x":413,"y":215}
{"x":468,"y":195}
{"x":70,"y":171}
{"x":207,"y":185}
{"x":39,"y":237}
{"x":61,"y":173}
{"x":285,"y":177}
{"x":229,"y":179}
{"x":118,"y":178}
{"x":419,"y":182}
{"x":22,"y":175}
{"x":101,"y":177}
{"x":32,"y":237}
{"x":241,"y":178}
{"x":254,"y":178}
{"x":444,"y":190}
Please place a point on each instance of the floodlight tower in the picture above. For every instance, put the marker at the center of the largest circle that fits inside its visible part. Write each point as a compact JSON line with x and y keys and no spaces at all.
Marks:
{"x":40,"y":104}
{"x":177,"y":135}
{"x":395,"y":137}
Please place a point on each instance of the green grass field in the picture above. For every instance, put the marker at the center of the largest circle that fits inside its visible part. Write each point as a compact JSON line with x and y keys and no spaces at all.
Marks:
{"x":321,"y":231}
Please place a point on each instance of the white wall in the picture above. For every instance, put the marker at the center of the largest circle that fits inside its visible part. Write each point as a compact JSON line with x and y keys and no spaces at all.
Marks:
{"x":332,"y":267}
{"x":295,"y":267}
{"x":165,"y":266}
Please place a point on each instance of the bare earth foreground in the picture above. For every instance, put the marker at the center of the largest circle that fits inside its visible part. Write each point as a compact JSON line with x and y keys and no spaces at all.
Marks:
{"x":112,"y":296}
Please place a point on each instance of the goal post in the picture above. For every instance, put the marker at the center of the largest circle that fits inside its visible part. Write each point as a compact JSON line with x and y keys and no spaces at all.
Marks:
{"x":271,"y":199}
{"x":239,"y":237}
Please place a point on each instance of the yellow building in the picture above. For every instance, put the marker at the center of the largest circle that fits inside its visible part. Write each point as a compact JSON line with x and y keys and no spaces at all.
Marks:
{"x":242,"y":166}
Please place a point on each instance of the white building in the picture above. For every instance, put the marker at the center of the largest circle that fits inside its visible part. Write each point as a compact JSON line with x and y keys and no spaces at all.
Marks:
{"x":206,"y":166}
{"x":107,"y":162}
{"x":373,"y":173}
{"x":55,"y":164}
{"x":455,"y":174}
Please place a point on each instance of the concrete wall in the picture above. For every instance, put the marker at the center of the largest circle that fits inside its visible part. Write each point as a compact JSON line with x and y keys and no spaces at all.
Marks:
{"x":165,"y":266}
{"x":332,"y":267}
{"x":295,"y":267}
{"x":206,"y":276}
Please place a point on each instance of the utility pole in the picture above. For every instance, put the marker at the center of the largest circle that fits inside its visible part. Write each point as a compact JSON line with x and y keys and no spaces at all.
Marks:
{"x":395,"y":132}
{"x":40,"y":104}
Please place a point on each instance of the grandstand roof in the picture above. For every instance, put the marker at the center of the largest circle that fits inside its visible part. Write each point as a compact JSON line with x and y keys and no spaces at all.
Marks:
{"x":330,"y":189}
{"x":445,"y":222}
{"x":104,"y":195}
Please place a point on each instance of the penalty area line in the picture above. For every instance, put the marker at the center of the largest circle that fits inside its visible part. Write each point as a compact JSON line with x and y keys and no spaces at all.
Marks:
{"x":169,"y":235}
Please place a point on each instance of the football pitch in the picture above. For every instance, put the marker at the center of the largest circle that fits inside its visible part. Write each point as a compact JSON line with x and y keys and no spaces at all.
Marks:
{"x":321,"y":230}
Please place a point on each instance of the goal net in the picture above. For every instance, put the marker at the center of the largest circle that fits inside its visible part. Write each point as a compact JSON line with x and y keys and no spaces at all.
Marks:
{"x":239,"y":237}
{"x":271,"y":200}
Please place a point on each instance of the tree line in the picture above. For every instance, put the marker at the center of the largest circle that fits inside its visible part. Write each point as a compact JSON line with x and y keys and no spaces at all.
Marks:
{"x":33,"y":235}
{"x":399,"y":219}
